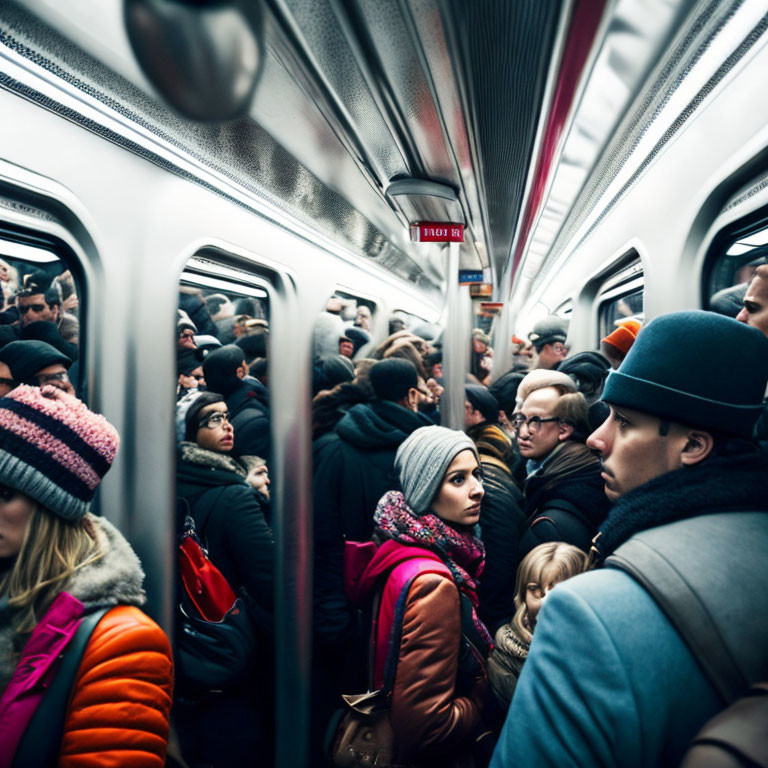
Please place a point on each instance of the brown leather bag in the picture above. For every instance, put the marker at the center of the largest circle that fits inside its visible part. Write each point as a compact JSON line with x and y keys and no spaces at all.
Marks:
{"x":364,"y":735}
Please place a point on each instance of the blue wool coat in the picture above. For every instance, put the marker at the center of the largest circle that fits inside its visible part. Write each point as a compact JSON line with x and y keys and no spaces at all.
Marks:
{"x":608,"y":680}
{"x":627,"y":692}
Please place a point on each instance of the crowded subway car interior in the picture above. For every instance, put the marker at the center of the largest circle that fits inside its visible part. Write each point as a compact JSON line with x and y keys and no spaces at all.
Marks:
{"x":236,"y":227}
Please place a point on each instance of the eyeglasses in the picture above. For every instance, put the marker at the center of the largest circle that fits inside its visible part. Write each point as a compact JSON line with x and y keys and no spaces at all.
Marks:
{"x":7,"y":493}
{"x":533,"y":423}
{"x":187,"y":335}
{"x":8,"y":382}
{"x":45,"y":378}
{"x":559,"y":348}
{"x":24,"y":308}
{"x":197,"y":376}
{"x":215,"y":419}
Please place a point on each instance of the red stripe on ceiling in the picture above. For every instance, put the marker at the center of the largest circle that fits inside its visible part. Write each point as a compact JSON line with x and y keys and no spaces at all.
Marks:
{"x":581,"y":35}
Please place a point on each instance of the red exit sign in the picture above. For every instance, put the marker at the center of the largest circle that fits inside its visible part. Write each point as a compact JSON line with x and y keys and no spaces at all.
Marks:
{"x":436,"y":232}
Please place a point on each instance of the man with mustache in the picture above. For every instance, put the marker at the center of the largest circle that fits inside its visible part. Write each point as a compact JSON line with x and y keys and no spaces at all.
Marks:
{"x":609,"y":680}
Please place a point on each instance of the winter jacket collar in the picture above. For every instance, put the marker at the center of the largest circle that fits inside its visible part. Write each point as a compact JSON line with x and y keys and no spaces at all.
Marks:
{"x":35,"y":671}
{"x":584,"y":489}
{"x":114,"y":579}
{"x":192,"y":453}
{"x":379,"y":425}
{"x":719,"y":484}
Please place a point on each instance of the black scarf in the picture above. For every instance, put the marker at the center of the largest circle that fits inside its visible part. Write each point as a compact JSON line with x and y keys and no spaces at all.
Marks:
{"x":718,"y":484}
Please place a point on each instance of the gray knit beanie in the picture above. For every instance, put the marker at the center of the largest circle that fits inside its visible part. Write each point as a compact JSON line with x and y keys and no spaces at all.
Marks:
{"x":422,"y":460}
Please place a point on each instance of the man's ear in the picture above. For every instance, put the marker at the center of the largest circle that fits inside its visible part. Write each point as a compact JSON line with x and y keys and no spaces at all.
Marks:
{"x":566,"y":430}
{"x":698,"y":446}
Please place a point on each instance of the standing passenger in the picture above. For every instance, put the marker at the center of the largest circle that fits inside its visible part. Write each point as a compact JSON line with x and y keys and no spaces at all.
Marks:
{"x":609,"y":681}
{"x":564,"y":499}
{"x":427,"y":551}
{"x":225,"y":728}
{"x":542,"y":569}
{"x":548,"y":337}
{"x":226,"y":372}
{"x":59,"y":563}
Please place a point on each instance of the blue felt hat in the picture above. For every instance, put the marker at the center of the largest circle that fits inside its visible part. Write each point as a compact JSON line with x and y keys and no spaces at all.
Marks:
{"x":671,"y":372}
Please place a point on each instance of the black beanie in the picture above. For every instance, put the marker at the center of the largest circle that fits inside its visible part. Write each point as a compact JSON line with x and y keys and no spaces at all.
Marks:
{"x":330,"y":371}
{"x":504,"y":389}
{"x":26,"y":358}
{"x":588,"y":370}
{"x":253,"y":346}
{"x":7,"y":335}
{"x":187,"y":360}
{"x":668,"y":372}
{"x":44,"y":330}
{"x":482,"y":400}
{"x":392,"y":378}
{"x":357,"y":336}
{"x":192,"y":416}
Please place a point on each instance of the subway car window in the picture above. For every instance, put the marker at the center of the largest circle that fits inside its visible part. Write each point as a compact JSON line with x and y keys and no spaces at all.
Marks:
{"x":224,"y":505}
{"x":732,"y":268}
{"x":40,"y":315}
{"x":621,"y":299}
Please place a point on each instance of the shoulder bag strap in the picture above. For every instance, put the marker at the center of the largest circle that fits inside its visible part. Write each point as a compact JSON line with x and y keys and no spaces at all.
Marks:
{"x":41,"y":743}
{"x":686,"y":612}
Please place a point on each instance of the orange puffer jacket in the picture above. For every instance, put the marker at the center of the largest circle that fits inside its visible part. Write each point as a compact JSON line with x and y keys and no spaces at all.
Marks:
{"x":120,"y":703}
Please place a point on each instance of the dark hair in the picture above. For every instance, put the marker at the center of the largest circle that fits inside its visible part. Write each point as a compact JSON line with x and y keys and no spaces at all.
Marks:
{"x":392,"y":378}
{"x":245,"y":307}
{"x":408,"y":351}
{"x":589,"y":371}
{"x":192,"y":418}
{"x":253,"y":346}
{"x":220,"y":368}
{"x":504,"y":389}
{"x":330,"y":370}
{"x":258,"y":367}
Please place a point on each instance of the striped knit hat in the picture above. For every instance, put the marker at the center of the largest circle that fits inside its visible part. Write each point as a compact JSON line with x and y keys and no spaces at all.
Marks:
{"x":53,"y":449}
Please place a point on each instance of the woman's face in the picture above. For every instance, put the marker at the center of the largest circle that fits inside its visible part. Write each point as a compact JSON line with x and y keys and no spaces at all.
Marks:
{"x":15,"y":511}
{"x":459,"y":497}
{"x":215,"y":433}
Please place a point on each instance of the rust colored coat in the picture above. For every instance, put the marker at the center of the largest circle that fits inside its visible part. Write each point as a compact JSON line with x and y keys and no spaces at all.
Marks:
{"x":120,"y":704}
{"x":429,"y":718}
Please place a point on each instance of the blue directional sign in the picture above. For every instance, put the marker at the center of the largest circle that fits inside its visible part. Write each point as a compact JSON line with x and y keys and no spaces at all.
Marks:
{"x":470,"y":276}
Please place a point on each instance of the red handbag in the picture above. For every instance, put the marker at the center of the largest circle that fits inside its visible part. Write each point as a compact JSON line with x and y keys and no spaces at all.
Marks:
{"x":203,"y":582}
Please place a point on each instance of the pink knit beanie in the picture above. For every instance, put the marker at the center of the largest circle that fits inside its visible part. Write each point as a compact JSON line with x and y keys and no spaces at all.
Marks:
{"x":53,"y":449}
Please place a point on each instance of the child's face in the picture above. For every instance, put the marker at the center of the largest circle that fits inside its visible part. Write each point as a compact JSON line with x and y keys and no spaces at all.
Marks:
{"x":535,"y":595}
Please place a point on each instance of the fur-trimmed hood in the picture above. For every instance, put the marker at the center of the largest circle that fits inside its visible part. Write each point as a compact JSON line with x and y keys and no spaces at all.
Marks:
{"x":115,"y":579}
{"x":192,"y":453}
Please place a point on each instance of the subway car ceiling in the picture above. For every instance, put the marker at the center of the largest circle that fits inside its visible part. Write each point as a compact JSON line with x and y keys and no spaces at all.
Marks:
{"x":569,"y":137}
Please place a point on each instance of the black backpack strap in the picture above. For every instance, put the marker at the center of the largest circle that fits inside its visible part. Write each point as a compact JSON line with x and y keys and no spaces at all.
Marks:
{"x":41,"y":742}
{"x":686,"y":612}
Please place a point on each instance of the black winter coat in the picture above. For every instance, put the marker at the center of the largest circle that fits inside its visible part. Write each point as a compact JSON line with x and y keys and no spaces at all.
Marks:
{"x":502,"y":523}
{"x":249,"y":409}
{"x":568,"y":509}
{"x":238,"y":539}
{"x":353,"y":469}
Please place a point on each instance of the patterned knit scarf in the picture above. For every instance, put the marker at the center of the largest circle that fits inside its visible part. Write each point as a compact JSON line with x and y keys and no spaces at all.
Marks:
{"x":463,"y":553}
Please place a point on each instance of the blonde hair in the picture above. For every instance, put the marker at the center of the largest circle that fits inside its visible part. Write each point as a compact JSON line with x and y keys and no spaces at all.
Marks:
{"x":52,"y":550}
{"x":553,"y":561}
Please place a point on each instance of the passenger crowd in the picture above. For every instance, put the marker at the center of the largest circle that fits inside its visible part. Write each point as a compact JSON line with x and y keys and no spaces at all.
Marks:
{"x":500,"y":593}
